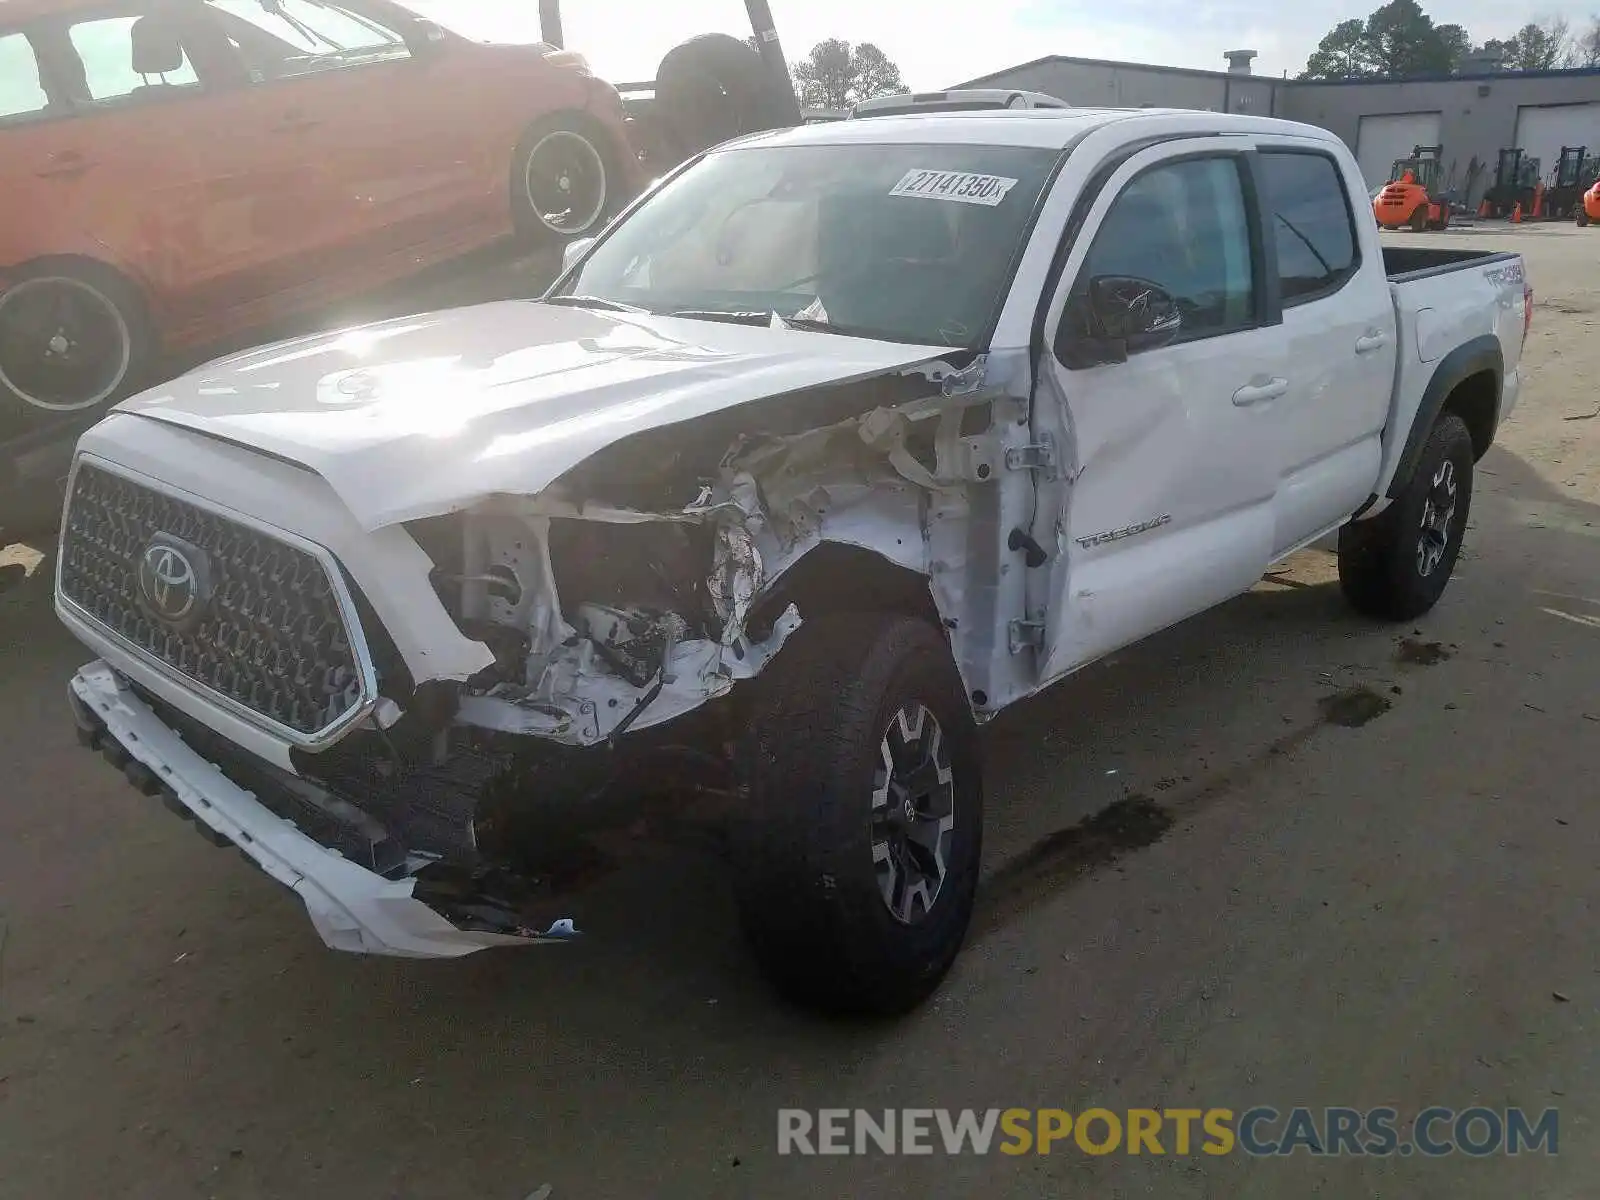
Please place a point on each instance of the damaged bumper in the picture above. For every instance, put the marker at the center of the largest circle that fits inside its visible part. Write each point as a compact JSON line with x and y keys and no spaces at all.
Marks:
{"x":353,"y":909}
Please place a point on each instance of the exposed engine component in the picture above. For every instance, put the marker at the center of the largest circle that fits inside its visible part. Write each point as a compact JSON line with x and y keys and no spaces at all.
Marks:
{"x":636,"y":643}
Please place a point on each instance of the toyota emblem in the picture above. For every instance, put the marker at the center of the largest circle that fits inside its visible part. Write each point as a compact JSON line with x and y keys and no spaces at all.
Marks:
{"x":173,"y":580}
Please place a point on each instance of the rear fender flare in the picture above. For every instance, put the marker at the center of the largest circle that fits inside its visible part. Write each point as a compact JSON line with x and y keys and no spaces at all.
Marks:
{"x":1471,"y":358}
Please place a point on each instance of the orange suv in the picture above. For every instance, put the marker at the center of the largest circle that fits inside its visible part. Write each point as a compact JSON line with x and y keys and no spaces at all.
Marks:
{"x":176,"y":171}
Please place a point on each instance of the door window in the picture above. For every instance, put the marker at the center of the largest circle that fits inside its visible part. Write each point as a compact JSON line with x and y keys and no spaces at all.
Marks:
{"x":1311,"y":224}
{"x":130,"y":59}
{"x":22,"y":93}
{"x":1185,"y":227}
{"x":304,"y":37}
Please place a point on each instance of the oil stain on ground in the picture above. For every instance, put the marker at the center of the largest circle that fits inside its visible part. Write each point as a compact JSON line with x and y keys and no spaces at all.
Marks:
{"x":1353,"y":707}
{"x":1137,"y":821}
{"x":1420,"y":654}
{"x":1129,"y":824}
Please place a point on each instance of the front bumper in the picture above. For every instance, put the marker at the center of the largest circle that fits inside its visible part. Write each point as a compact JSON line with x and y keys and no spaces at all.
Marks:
{"x":353,"y":908}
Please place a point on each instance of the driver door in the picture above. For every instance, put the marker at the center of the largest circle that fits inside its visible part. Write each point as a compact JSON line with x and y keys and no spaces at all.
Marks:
{"x":1170,"y":457}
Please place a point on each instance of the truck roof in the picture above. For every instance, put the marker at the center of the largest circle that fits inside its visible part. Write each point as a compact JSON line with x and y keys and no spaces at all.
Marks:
{"x":1042,"y":127}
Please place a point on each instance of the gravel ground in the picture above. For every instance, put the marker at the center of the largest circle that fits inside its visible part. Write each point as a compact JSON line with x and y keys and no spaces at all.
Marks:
{"x":1390,"y":906}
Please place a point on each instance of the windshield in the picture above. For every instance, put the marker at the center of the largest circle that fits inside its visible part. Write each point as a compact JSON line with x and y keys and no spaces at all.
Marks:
{"x":907,"y":243}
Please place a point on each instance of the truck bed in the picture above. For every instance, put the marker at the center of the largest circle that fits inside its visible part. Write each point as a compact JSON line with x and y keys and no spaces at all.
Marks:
{"x":1404,"y":263}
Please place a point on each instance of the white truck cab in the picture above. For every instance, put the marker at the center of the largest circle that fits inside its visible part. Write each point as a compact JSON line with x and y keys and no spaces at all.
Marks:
{"x":832,"y":446}
{"x":955,"y":100}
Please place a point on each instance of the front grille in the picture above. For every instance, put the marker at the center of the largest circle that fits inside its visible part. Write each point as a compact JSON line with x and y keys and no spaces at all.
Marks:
{"x":266,"y":632}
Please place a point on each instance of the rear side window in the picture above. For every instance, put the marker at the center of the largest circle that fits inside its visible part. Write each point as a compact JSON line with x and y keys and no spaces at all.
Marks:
{"x":131,"y":59}
{"x":1311,"y":224}
{"x":22,"y":92}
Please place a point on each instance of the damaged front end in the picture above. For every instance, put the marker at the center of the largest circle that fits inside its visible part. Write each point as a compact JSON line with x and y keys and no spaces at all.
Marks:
{"x":623,"y":607}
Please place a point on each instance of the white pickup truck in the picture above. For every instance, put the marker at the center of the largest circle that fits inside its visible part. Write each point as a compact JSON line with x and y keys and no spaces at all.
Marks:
{"x":833,"y":445}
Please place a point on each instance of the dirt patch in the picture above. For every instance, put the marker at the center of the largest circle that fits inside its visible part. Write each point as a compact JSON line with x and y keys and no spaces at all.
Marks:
{"x":1353,"y":707}
{"x":1420,"y":654}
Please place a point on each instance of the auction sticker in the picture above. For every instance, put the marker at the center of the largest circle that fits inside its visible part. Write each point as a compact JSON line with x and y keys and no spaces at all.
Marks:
{"x":961,"y":186}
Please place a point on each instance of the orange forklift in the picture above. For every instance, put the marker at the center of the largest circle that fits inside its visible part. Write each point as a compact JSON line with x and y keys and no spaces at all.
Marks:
{"x":1589,"y":208}
{"x":1412,"y":199}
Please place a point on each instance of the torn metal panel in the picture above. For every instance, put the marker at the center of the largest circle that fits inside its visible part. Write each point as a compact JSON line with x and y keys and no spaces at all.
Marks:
{"x":499,"y":398}
{"x":624,"y":617}
{"x":579,"y":701}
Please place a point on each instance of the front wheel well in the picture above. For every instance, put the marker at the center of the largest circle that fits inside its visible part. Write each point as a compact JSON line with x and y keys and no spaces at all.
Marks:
{"x":1476,"y":400}
{"x":836,"y":578}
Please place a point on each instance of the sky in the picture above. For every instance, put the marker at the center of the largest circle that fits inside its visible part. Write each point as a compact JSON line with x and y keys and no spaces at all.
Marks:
{"x":941,"y":42}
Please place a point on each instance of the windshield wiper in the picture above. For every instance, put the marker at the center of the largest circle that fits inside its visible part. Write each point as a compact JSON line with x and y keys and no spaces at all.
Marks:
{"x":814,"y":324}
{"x":594,"y":302}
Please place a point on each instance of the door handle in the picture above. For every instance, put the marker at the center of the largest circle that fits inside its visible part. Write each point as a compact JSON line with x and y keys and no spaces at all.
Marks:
{"x":295,"y":123}
{"x":1255,"y":393}
{"x":1374,"y":339}
{"x":68,"y":164}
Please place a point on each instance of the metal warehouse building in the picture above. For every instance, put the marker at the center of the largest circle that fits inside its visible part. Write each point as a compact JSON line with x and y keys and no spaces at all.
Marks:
{"x":1473,"y":115}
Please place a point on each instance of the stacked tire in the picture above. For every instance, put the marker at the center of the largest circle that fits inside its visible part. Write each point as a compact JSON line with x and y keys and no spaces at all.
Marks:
{"x":715,"y":87}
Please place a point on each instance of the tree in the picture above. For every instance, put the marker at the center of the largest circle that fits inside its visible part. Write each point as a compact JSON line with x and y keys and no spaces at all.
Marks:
{"x":1540,"y":46}
{"x":1586,"y":47}
{"x":836,"y":75}
{"x":1342,"y":54}
{"x":1403,"y":41}
{"x":1458,"y":42}
{"x":1398,"y":39}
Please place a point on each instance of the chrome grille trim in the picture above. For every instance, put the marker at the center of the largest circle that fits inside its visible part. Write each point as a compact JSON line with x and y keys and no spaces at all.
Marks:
{"x":345,"y":603}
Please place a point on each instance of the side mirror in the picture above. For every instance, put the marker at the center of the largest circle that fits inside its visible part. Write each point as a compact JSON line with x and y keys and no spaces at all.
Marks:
{"x":424,"y":37}
{"x":1117,"y":316}
{"x":573,"y":251}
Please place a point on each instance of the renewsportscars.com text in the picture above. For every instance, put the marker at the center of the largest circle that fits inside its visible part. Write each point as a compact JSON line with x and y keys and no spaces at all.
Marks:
{"x":1260,"y":1131}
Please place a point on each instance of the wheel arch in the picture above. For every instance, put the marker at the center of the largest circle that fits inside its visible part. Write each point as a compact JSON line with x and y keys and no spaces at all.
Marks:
{"x":836,"y":577}
{"x":1467,"y":382}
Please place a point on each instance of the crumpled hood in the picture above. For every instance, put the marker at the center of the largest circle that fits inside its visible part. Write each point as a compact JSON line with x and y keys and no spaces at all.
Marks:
{"x":425,"y":415}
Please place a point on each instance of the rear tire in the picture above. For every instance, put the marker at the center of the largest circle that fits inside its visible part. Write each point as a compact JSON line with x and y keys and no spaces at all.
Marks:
{"x":1396,"y":565}
{"x":1582,"y":217}
{"x":74,"y":337}
{"x":857,"y":851}
{"x":564,"y":181}
{"x":1419,"y":219}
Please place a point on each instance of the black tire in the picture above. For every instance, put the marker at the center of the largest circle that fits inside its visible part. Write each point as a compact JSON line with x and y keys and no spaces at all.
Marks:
{"x":1384,"y":563}
{"x":714,"y":87}
{"x":1583,"y":217}
{"x":592,"y":173}
{"x":49,"y":306}
{"x":814,"y":910}
{"x":1419,"y":219}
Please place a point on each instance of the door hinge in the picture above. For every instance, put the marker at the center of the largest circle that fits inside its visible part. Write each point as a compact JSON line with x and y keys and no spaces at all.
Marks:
{"x":1036,"y":456}
{"x":1023,"y":634}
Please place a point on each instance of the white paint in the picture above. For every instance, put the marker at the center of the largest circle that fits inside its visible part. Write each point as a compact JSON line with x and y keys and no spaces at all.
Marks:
{"x":1436,"y":314}
{"x":1381,"y":140}
{"x":351,"y":908}
{"x":1543,"y":129}
{"x":1325,"y":434}
{"x":424,"y":415}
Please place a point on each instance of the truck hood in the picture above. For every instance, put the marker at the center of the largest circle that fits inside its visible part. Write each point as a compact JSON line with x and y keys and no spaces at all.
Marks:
{"x":425,"y":415}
